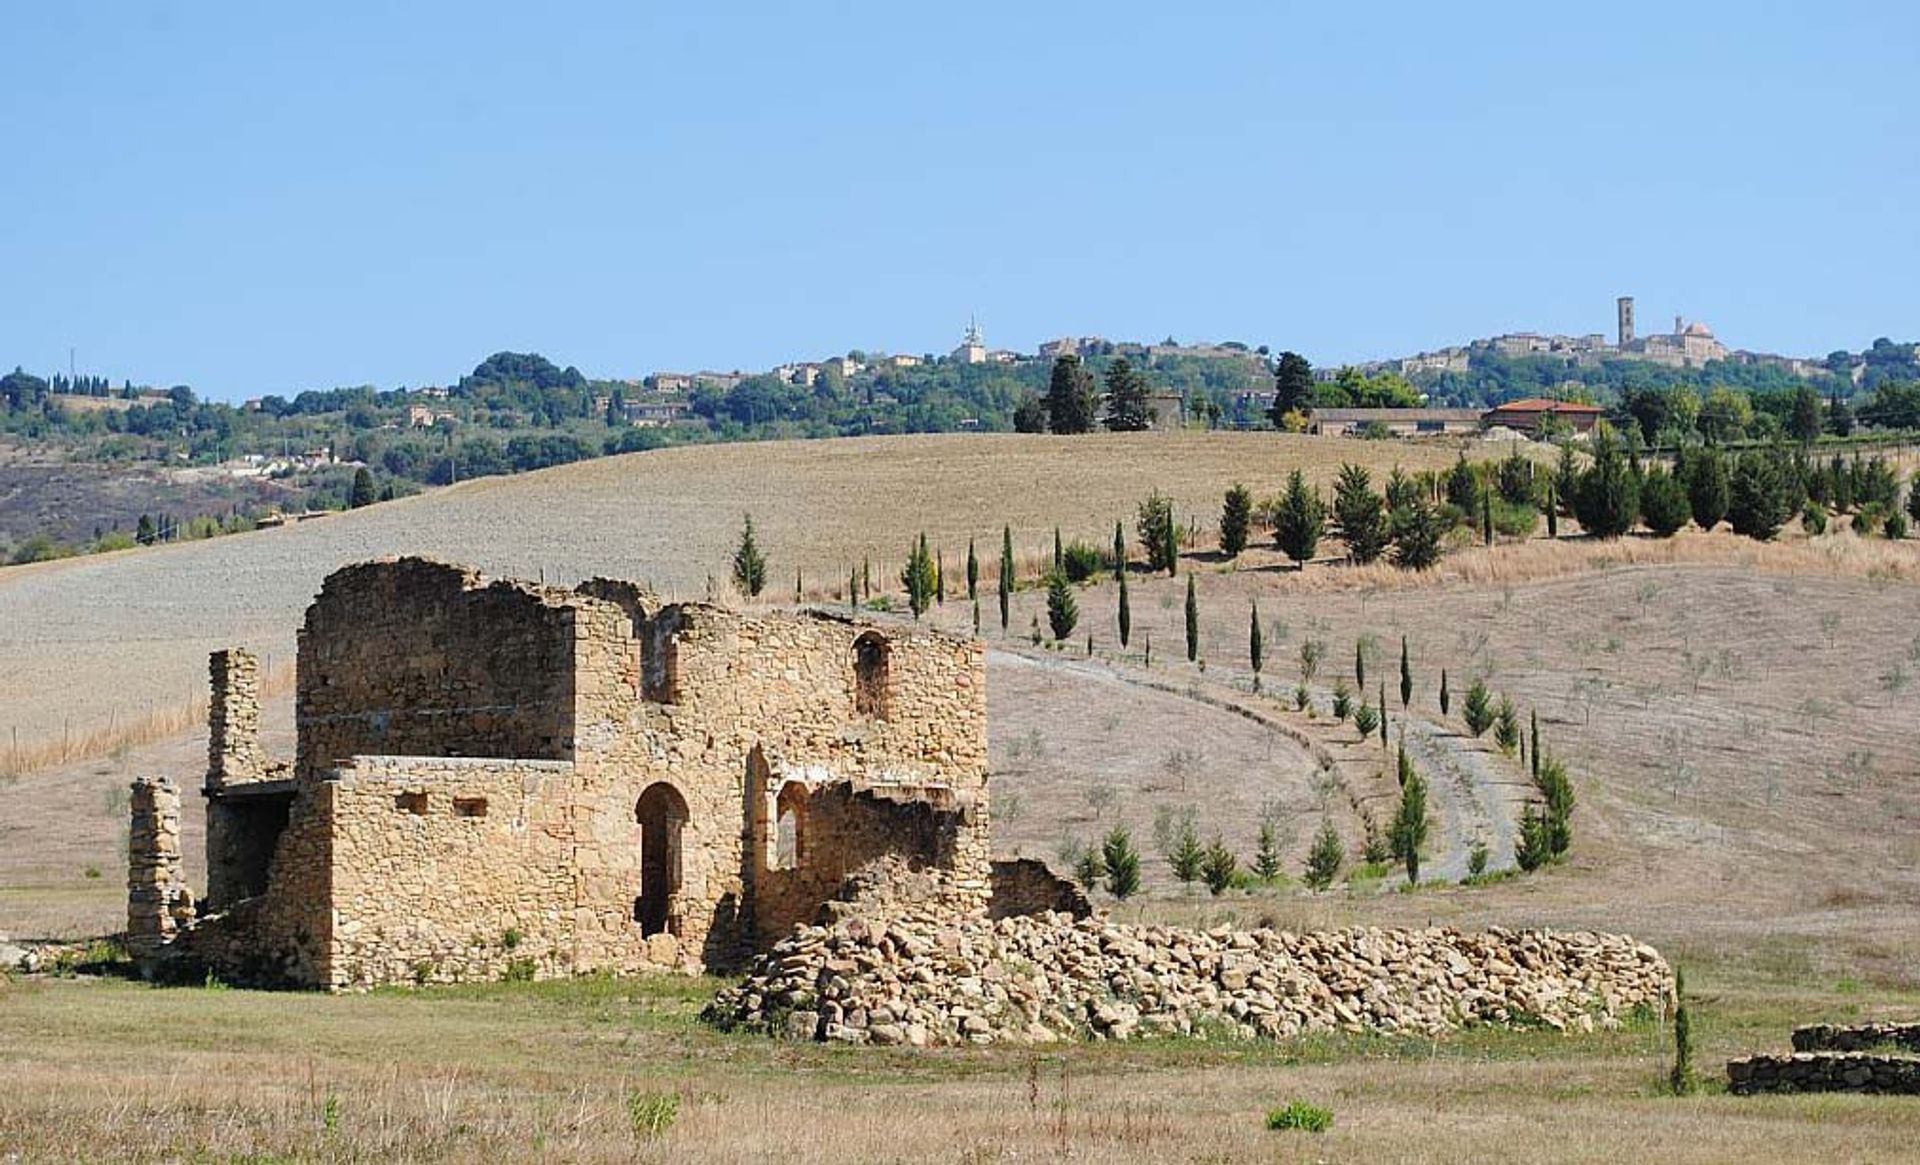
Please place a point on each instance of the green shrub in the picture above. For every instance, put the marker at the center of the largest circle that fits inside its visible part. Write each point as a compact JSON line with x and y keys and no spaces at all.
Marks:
{"x":1895,"y":526}
{"x":1477,"y":860}
{"x":518,"y":971}
{"x":1814,"y":518}
{"x":1082,"y":560}
{"x":652,"y":1113}
{"x":1310,"y":1118}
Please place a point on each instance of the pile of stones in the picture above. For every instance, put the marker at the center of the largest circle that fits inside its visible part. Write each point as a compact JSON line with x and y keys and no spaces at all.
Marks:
{"x":926,"y":979}
{"x":1868,"y":1057}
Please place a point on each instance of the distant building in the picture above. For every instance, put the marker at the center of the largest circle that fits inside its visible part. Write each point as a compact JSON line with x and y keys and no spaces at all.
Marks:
{"x":904,"y":361}
{"x":972,"y":349}
{"x":1528,"y":415}
{"x":425,"y":417}
{"x":655,"y":414}
{"x":1396,"y":422}
{"x":1064,"y":346}
{"x":669,"y":382}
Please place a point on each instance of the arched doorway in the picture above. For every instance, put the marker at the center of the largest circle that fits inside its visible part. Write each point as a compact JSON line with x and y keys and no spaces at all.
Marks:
{"x":662,"y":813}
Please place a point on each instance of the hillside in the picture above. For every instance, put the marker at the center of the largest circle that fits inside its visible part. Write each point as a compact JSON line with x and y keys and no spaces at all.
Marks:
{"x":123,"y":636}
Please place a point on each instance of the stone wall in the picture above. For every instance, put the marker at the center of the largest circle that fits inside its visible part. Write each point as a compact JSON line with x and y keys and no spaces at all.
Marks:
{"x":159,"y":902}
{"x":920,"y":977}
{"x":1824,"y":1072}
{"x":418,"y":658}
{"x":1859,"y":1037}
{"x":1027,"y":886}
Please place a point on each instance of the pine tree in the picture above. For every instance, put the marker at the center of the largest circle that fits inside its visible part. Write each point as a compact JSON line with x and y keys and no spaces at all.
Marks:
{"x":1479,"y":708}
{"x":1301,"y":520}
{"x":1193,"y":623}
{"x":1361,"y":514}
{"x":1236,"y":517}
{"x":1608,"y":500}
{"x":1218,"y":867}
{"x":1416,"y":536}
{"x":1089,"y":867}
{"x":1185,"y":856}
{"x":1063,"y":612}
{"x":1406,"y":675}
{"x":1292,"y":388}
{"x":1126,"y":614}
{"x":1758,"y":494}
{"x":1463,"y":487}
{"x":1255,"y":652}
{"x":1506,"y":726}
{"x":1266,"y":854}
{"x":1708,"y":490}
{"x":749,"y":565}
{"x":1664,"y":505}
{"x":1409,"y":830}
{"x":1155,"y":526}
{"x":1127,"y":410}
{"x":1122,"y":863}
{"x":917,"y":578}
{"x":1069,"y":399}
{"x":1446,"y":697}
{"x":1325,"y":858}
{"x":1532,"y":849}
{"x":1006,"y":574}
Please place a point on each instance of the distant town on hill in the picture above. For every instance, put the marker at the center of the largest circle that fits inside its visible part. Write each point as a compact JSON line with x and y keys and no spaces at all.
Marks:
{"x":190,"y":467}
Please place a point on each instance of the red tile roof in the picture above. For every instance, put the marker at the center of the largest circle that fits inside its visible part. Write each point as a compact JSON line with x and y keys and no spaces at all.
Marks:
{"x":1542,"y":405}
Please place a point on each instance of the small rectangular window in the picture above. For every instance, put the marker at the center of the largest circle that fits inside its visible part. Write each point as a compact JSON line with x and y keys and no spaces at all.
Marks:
{"x":469,"y":806}
{"x":414,"y":803}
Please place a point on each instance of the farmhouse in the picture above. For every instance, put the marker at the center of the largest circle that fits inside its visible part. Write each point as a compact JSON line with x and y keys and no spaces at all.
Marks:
{"x":501,"y":778}
{"x":1395,"y":422}
{"x":1527,"y":416}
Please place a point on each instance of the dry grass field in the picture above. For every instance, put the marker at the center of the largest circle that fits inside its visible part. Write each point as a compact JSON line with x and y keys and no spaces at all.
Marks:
{"x":121,"y":639}
{"x":1739,"y":720}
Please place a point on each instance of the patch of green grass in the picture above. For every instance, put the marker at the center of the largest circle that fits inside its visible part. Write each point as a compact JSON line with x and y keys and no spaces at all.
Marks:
{"x":652,"y":1113}
{"x":1299,"y":1114}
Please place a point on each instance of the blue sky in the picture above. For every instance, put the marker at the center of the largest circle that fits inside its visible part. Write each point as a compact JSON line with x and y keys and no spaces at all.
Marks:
{"x":262,"y":198}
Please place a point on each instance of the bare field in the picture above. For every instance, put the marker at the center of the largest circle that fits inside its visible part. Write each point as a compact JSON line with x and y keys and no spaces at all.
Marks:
{"x":116,"y":1071}
{"x":127,"y":634}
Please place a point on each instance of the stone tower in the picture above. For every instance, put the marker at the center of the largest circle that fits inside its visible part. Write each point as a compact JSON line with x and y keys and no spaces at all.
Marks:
{"x":1625,"y":306}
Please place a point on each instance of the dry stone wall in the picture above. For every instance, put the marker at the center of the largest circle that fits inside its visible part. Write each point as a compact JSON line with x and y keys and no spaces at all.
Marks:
{"x":921,"y":978}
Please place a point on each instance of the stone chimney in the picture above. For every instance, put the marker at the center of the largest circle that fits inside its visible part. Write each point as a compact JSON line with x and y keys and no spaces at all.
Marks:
{"x":233,"y":720}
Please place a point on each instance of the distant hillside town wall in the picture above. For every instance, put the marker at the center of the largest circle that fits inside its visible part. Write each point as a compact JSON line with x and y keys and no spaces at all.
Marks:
{"x":498,"y":778}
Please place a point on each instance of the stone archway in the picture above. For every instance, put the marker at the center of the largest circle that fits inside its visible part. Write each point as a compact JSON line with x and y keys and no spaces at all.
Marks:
{"x":662,"y":814}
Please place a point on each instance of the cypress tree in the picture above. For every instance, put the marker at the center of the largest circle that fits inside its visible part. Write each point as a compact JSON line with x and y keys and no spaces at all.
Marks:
{"x":1236,"y":516}
{"x":1486,"y":515}
{"x":1409,"y":830}
{"x":1119,"y":553}
{"x":749,"y":565}
{"x":1218,"y":867}
{"x":866,"y":578}
{"x":1416,"y":536}
{"x":1534,"y":716}
{"x":1553,"y":509}
{"x":1069,"y":400}
{"x":1254,"y":644}
{"x":1186,"y":856}
{"x":1479,"y":709}
{"x":1361,"y":515}
{"x":1193,"y":623}
{"x":1059,"y":555}
{"x":1360,"y":665}
{"x":1506,"y":725}
{"x":1126,"y":614}
{"x":940,"y":577}
{"x":1406,"y":675}
{"x":853,"y":588}
{"x":1446,"y":697}
{"x":1127,"y":410}
{"x":1063,"y":612}
{"x":798,"y":587}
{"x":1006,"y":573}
{"x":1383,"y":715}
{"x":1266,"y":854}
{"x":1681,"y":1082}
{"x":1608,"y":501}
{"x":976,"y":618}
{"x":973,"y":574}
{"x":362,"y":493}
{"x":918,"y":578}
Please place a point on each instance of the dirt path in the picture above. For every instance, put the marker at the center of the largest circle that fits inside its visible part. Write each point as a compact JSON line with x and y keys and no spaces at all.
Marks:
{"x":1473,"y":802}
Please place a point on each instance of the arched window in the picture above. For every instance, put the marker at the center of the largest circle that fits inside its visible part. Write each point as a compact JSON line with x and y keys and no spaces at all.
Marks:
{"x":662,"y":813}
{"x":790,"y":827}
{"x":870,"y":675}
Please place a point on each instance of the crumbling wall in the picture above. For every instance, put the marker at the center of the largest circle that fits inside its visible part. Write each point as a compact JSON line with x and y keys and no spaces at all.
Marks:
{"x":448,"y":870}
{"x":159,"y":903}
{"x":1027,"y":886}
{"x":416,"y":658}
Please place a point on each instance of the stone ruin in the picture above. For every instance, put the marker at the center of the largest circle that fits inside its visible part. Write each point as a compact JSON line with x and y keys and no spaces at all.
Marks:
{"x":499,"y":778}
{"x":1867,"y":1057}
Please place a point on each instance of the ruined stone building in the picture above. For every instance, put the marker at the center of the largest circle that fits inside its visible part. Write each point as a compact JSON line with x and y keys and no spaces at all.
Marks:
{"x":498,"y":778}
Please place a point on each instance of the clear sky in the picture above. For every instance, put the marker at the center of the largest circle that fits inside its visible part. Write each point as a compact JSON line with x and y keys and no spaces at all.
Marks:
{"x":258,"y":198}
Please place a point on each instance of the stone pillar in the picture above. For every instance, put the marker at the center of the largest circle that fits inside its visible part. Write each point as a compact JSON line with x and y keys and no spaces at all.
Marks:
{"x":233,"y":720}
{"x":158,"y":900}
